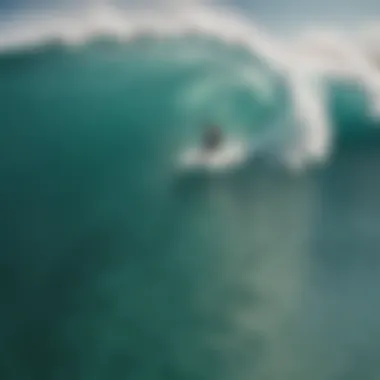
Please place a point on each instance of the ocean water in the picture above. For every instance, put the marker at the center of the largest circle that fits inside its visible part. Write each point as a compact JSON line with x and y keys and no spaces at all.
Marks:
{"x":116,"y":262}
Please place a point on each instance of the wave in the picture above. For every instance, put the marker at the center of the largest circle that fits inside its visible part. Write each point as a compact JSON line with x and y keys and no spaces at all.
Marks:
{"x":308,"y":63}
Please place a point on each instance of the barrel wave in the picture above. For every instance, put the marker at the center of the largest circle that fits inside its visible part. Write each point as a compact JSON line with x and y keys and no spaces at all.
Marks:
{"x":118,"y":264}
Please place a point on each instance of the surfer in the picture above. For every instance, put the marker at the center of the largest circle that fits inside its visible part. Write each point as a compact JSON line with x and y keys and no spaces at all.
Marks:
{"x":212,"y":138}
{"x":214,"y":151}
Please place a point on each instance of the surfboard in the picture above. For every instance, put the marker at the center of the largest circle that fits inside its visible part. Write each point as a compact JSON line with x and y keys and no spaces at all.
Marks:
{"x":229,"y":154}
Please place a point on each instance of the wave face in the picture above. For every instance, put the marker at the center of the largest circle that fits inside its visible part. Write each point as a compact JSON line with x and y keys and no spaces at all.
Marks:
{"x":115,"y":265}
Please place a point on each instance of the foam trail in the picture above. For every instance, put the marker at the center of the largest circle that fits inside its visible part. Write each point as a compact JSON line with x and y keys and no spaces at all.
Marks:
{"x":303,"y":61}
{"x":313,"y":137}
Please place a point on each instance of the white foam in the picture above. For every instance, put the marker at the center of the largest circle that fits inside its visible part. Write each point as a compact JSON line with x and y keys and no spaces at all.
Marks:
{"x":231,"y":154}
{"x":304,"y":59}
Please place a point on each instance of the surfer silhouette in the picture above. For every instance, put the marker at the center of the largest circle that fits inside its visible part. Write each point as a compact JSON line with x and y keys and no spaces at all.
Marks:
{"x":212,"y":138}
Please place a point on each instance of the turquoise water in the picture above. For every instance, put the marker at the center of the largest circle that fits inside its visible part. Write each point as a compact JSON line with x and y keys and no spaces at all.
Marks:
{"x":115,"y":264}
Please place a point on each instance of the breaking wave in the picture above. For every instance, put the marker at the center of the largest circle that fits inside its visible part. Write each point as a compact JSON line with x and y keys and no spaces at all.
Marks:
{"x":287,"y":89}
